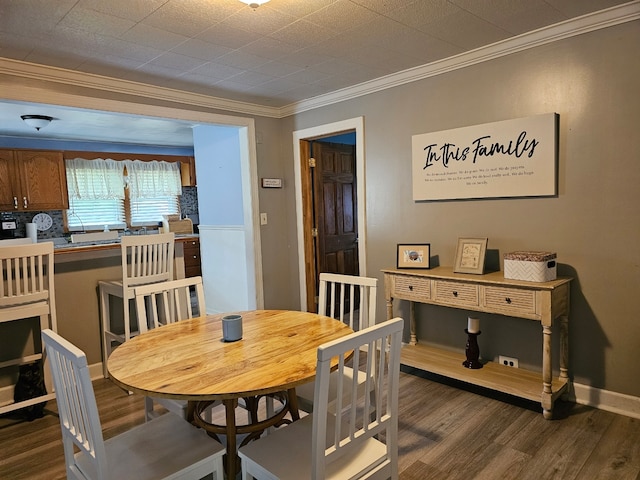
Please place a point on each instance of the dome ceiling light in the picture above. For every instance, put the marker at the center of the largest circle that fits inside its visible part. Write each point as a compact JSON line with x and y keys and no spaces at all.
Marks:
{"x":254,"y":3}
{"x":36,"y":121}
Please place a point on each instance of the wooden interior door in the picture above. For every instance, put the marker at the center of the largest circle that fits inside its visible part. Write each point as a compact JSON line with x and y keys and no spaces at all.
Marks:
{"x":335,"y":208}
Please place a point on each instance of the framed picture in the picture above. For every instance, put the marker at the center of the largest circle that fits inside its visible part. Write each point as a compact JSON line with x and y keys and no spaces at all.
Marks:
{"x":470,"y":255}
{"x":413,"y":255}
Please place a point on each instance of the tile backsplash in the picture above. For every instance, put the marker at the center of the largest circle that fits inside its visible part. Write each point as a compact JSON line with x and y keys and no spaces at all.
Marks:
{"x":188,"y":206}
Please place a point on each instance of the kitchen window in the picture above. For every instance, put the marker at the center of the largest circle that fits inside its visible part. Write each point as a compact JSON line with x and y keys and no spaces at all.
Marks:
{"x":117,"y":194}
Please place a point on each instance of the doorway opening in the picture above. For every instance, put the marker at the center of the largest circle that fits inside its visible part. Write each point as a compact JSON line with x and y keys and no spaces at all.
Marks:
{"x":330,"y":204}
{"x":249,"y":273}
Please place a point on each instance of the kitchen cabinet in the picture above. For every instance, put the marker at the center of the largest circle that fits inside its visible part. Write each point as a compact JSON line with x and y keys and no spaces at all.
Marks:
{"x":188,"y":172}
{"x":32,"y":180}
{"x":192,"y":266}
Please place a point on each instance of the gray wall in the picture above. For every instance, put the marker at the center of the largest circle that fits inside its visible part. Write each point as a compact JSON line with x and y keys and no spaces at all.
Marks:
{"x":592,"y":82}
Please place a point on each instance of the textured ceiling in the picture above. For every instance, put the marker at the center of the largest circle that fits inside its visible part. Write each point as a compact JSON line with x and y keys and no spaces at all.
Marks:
{"x":283,"y":52}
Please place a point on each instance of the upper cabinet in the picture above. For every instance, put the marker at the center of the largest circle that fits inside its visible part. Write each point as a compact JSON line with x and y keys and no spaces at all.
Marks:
{"x":188,"y":172}
{"x":6,"y":180}
{"x":32,"y":180}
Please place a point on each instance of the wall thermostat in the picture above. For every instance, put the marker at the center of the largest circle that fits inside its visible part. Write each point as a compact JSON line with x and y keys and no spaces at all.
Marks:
{"x":271,"y":183}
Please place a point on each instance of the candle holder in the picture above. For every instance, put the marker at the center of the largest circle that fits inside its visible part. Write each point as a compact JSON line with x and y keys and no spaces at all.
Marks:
{"x":472,"y":350}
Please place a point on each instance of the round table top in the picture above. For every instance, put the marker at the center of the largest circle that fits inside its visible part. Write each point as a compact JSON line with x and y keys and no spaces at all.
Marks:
{"x":188,"y":360}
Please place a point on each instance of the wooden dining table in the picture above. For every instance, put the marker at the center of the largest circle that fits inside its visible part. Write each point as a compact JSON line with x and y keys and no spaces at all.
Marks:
{"x":189,"y":360}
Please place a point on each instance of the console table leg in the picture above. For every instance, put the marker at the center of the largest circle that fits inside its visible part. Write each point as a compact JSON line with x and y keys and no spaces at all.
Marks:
{"x":413,"y":340}
{"x":564,"y":348}
{"x":547,"y":393}
{"x":564,"y":355}
{"x":389,"y":308}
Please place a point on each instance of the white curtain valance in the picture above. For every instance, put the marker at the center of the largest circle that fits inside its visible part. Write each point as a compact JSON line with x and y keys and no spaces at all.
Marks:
{"x":99,"y":179}
{"x":153,"y":179}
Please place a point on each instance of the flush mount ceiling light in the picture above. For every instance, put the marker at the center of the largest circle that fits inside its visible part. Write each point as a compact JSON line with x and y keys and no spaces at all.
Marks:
{"x":36,"y":121}
{"x":254,"y":3}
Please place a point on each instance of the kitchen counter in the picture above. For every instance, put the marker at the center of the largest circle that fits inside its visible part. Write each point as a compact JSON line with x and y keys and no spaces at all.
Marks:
{"x":63,"y":246}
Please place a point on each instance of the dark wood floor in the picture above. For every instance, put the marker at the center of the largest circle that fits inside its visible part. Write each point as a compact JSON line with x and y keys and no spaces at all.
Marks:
{"x":445,"y":432}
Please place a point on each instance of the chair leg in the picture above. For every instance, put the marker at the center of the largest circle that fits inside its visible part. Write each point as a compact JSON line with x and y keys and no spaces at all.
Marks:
{"x":48,"y":382}
{"x":270,"y":411}
{"x":245,"y":474}
{"x":148,"y":409}
{"x":106,"y":322}
{"x":219,"y":469}
{"x":127,"y":324}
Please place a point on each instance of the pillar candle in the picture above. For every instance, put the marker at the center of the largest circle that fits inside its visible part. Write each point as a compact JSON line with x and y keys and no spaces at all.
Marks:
{"x":473,"y":325}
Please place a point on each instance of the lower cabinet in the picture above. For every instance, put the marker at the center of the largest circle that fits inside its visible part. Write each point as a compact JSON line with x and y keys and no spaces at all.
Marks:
{"x":192,"y":265}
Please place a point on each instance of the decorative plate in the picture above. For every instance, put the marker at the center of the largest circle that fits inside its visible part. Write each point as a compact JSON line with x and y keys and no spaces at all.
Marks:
{"x":43,"y":221}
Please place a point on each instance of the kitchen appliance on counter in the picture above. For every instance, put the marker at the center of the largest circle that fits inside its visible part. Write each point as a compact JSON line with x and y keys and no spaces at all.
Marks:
{"x":9,"y":226}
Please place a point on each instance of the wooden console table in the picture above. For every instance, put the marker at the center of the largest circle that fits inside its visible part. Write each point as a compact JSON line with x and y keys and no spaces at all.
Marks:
{"x":490,"y":293}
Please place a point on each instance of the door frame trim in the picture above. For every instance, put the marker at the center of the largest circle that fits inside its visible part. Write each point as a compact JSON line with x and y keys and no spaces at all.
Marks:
{"x":313,"y":133}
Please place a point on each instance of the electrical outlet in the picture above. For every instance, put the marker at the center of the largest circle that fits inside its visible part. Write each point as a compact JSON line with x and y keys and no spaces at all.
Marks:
{"x":508,"y":361}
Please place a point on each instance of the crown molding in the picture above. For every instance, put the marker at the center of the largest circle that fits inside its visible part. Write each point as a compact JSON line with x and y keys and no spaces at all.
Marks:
{"x":605,"y":18}
{"x":570,"y":28}
{"x":45,"y":73}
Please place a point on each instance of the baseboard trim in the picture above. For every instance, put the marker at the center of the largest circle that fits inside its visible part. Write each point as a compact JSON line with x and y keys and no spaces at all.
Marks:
{"x":95,"y":371}
{"x":614,"y":402}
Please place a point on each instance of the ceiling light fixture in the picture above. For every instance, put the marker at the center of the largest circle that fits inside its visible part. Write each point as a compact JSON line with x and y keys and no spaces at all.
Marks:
{"x":36,"y":121}
{"x":254,"y":3}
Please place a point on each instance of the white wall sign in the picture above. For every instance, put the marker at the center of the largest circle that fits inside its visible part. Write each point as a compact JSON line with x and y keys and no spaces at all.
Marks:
{"x":512,"y":158}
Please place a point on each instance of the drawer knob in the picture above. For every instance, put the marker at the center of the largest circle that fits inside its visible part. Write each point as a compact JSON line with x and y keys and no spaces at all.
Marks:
{"x":455,"y":294}
{"x":411,"y":287}
{"x":508,"y":300}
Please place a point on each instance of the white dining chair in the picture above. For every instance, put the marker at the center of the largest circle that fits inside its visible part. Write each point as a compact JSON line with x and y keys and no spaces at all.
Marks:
{"x":26,"y":291}
{"x":145,"y":259}
{"x":169,"y":302}
{"x":162,"y":303}
{"x":27,"y":282}
{"x":352,"y":300}
{"x":349,"y":445}
{"x":166,"y":447}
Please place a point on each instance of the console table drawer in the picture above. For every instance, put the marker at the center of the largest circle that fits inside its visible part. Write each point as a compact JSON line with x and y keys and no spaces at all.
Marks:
{"x":412,"y":288}
{"x":510,"y":300}
{"x":455,"y":293}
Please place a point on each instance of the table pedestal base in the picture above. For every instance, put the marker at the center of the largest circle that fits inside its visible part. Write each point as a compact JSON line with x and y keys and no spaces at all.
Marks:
{"x":253,"y":430}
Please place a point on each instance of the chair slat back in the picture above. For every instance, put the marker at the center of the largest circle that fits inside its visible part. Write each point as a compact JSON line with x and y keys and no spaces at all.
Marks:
{"x":27,"y":276}
{"x":76,"y":402}
{"x":147,"y":258}
{"x":348,"y":298}
{"x":169,"y":302}
{"x":338,"y":435}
